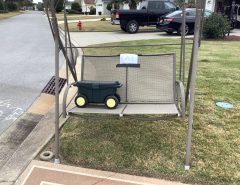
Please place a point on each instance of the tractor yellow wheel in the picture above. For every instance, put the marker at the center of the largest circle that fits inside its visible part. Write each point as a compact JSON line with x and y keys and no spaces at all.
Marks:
{"x":81,"y":101}
{"x":111,"y":102}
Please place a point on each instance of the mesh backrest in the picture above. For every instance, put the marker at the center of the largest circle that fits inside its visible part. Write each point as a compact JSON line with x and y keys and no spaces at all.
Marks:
{"x":153,"y":82}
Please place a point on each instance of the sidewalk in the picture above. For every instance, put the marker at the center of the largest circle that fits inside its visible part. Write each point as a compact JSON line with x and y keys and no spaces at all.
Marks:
{"x":235,"y":32}
{"x":92,"y":38}
{"x":44,"y":173}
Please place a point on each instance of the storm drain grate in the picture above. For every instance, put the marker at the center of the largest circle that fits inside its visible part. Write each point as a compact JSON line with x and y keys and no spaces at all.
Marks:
{"x":50,"y":87}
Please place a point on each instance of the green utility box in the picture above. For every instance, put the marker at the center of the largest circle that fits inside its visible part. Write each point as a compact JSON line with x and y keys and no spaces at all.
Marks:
{"x":98,"y":92}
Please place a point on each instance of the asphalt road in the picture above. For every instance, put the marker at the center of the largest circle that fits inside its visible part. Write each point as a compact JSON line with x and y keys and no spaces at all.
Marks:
{"x":26,"y":63}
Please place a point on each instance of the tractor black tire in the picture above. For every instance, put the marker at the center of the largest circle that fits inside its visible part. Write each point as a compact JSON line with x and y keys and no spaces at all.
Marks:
{"x":81,"y":101}
{"x":132,"y":27}
{"x":111,"y":102}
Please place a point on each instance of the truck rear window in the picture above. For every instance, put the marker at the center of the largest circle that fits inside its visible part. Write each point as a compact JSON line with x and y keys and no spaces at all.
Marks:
{"x":156,"y":5}
{"x":169,"y":6}
{"x":144,"y":5}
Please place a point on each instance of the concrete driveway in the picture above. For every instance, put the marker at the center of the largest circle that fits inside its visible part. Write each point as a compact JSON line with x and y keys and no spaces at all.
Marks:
{"x":90,"y":38}
{"x":27,"y":63}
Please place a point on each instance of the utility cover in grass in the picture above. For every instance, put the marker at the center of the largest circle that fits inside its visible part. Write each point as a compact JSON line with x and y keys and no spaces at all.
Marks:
{"x":224,"y":105}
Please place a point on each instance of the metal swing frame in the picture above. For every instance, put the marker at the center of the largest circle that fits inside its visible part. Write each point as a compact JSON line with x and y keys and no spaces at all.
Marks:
{"x":190,"y":90}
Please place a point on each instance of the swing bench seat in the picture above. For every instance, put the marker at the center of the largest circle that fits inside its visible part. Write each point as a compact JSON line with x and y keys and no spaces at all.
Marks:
{"x":128,"y":109}
{"x":150,"y":87}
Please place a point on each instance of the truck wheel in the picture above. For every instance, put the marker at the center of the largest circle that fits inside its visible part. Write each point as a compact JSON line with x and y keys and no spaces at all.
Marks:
{"x":123,"y":28}
{"x":180,"y":30}
{"x":132,"y":26}
{"x":81,"y":101}
{"x":169,"y":32}
{"x":111,"y":102}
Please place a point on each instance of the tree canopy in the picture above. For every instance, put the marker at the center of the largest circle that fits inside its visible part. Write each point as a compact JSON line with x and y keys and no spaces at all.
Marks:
{"x":76,"y":7}
{"x":132,"y":3}
{"x":58,"y":5}
{"x":116,"y":3}
{"x":190,"y":4}
{"x":2,"y":5}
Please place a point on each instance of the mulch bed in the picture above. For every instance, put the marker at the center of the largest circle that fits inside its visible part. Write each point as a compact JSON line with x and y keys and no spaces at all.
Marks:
{"x":227,"y":38}
{"x":232,"y":38}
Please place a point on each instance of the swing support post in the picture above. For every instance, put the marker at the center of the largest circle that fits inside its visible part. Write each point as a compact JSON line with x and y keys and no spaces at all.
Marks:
{"x":192,"y":86}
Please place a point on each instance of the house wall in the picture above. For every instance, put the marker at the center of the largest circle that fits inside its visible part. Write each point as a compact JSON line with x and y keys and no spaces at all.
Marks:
{"x":125,"y":6}
{"x":99,"y":7}
{"x":68,"y":7}
{"x":86,"y":8}
{"x":210,"y":5}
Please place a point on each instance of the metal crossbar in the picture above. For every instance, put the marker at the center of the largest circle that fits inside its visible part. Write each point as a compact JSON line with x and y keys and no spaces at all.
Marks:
{"x":129,"y":46}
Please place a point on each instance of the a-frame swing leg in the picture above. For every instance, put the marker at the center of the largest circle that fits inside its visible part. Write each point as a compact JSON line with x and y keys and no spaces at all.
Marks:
{"x":192,"y":87}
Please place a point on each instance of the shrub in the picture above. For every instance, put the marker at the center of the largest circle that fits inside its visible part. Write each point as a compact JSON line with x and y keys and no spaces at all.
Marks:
{"x":74,"y":12}
{"x":113,"y":4}
{"x":76,"y":7}
{"x":2,"y":6}
{"x":215,"y":26}
{"x":58,"y":5}
{"x":40,"y":6}
{"x":103,"y":19}
{"x":92,"y":10}
{"x":190,"y":4}
{"x":109,"y":6}
{"x":3,"y":11}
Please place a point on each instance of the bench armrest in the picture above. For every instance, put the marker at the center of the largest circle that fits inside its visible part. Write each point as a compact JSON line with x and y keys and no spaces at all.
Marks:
{"x":64,"y":103}
{"x":181,"y":98}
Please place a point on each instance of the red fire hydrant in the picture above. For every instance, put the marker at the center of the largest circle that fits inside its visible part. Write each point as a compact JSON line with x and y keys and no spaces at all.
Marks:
{"x":79,"y":25}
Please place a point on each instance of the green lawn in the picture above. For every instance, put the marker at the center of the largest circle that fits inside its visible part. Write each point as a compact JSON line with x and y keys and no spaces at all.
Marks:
{"x":8,"y":15}
{"x":100,"y":26}
{"x":157,"y":148}
{"x":93,"y":26}
{"x":60,"y":17}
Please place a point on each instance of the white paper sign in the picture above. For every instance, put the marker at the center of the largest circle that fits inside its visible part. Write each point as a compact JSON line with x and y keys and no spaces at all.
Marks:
{"x":128,"y":59}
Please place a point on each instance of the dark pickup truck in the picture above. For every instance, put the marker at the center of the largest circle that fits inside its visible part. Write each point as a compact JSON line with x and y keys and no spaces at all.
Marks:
{"x":149,"y":14}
